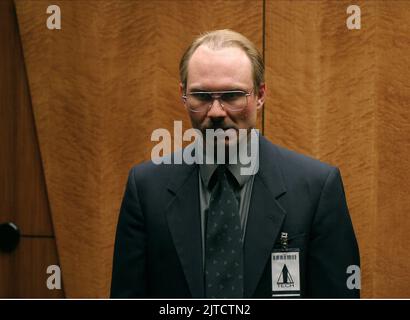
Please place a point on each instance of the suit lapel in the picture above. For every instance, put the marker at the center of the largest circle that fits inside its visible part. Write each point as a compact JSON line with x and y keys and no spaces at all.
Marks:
{"x":184,"y":220}
{"x":265,"y":216}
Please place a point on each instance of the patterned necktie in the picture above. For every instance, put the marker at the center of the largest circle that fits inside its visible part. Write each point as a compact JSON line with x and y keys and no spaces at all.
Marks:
{"x":223,"y":243}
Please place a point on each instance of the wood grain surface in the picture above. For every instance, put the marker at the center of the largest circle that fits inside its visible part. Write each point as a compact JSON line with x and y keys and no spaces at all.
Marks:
{"x":24,"y":272}
{"x":109,"y":77}
{"x":392,"y":223}
{"x":23,"y":194}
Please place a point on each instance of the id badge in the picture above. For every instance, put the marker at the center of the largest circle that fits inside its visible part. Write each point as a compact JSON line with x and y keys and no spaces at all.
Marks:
{"x":285,"y":271}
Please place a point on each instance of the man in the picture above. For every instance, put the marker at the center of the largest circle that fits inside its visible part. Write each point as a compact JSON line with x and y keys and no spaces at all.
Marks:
{"x":207,"y":230}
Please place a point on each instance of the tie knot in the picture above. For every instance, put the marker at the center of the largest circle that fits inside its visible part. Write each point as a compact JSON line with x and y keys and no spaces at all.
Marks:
{"x":217,"y":176}
{"x":221,"y":170}
{"x":222,"y":175}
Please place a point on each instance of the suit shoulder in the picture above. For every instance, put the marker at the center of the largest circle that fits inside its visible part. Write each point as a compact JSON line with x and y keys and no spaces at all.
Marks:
{"x":295,"y":160}
{"x":302,"y":172}
{"x":297,"y":165}
{"x":148,"y":170}
{"x":158,"y":171}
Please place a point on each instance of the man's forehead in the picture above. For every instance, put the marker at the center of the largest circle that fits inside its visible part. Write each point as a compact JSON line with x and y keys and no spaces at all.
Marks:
{"x":230,"y":63}
{"x":205,"y":55}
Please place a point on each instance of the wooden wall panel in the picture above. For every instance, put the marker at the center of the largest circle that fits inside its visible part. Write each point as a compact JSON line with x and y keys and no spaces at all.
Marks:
{"x":25,"y":270}
{"x":99,"y":87}
{"x":346,"y":115}
{"x":392,"y":223}
{"x":9,"y":85}
{"x":23,"y":195}
{"x":339,"y":95}
{"x":291,"y":60}
{"x":23,"y":188}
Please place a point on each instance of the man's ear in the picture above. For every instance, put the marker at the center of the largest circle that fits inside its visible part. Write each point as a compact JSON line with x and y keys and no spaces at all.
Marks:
{"x":182,"y":93}
{"x":181,"y":89}
{"x":261,"y":94}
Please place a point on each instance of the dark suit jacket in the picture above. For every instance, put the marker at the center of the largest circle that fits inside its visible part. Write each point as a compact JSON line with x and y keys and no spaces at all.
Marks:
{"x":158,"y":241}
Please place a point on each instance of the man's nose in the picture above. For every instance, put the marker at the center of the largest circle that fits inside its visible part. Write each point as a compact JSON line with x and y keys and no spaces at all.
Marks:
{"x":216,"y":110}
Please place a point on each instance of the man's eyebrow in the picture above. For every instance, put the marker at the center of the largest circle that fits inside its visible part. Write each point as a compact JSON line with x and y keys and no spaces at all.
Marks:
{"x":198,"y":90}
{"x":205,"y":90}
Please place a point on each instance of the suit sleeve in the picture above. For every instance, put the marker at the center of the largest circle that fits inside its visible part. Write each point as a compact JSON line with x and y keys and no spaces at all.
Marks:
{"x":128,"y":275}
{"x":333,"y":246}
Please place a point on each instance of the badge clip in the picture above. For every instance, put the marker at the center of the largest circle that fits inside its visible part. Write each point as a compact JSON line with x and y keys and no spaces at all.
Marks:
{"x":284,"y":241}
